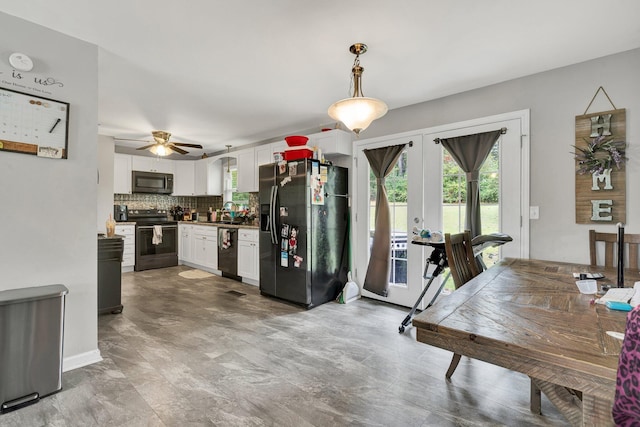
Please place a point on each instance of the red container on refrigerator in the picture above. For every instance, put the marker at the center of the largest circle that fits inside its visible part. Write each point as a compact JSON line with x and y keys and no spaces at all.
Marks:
{"x":298,"y":153}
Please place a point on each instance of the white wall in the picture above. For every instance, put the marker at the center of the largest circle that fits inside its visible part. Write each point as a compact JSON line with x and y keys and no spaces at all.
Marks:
{"x":48,"y":228}
{"x":105,"y":181}
{"x":554,"y":98}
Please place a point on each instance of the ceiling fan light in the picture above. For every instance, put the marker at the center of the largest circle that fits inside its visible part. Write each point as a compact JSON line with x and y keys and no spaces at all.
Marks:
{"x":357,"y":113}
{"x":160,"y":150}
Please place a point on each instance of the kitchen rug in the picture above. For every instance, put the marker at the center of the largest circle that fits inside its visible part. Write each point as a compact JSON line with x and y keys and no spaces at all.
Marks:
{"x":194,"y":274}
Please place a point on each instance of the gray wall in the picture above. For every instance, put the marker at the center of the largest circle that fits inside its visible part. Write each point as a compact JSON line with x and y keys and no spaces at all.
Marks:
{"x":105,"y":181}
{"x":48,"y":228}
{"x":554,"y":98}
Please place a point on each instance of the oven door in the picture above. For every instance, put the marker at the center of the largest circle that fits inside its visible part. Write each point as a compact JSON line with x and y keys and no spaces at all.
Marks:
{"x":162,"y":254}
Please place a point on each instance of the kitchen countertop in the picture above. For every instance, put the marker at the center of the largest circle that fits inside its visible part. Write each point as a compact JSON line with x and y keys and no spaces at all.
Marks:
{"x":102,"y":236}
{"x":211,"y":224}
{"x":221,"y":224}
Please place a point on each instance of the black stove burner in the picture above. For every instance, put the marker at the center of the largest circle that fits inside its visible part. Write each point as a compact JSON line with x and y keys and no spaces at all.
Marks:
{"x":150,"y":216}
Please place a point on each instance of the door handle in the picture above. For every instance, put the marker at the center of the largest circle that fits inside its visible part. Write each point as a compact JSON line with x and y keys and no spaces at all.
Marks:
{"x":272,"y":219}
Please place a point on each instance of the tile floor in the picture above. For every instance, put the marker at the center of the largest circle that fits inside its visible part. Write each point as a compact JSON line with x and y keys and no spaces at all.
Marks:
{"x":214,"y":352}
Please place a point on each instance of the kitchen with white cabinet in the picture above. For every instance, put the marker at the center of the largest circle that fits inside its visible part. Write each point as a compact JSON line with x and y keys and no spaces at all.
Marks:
{"x":199,"y":187}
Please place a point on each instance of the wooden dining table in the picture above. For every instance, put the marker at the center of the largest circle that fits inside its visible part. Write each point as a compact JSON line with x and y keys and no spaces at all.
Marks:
{"x":528,"y":316}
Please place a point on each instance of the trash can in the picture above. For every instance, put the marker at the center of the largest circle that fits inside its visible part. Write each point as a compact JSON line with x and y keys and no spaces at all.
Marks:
{"x":110,"y":251}
{"x":31,"y":335}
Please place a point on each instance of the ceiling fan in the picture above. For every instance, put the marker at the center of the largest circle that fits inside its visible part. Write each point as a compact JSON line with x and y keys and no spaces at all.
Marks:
{"x":162,"y":146}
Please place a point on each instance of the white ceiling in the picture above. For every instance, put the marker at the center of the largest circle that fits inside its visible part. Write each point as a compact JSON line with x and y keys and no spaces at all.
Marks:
{"x":218,"y":72}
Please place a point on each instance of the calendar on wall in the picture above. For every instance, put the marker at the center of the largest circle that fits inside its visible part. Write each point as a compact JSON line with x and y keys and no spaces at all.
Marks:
{"x":33,"y":125}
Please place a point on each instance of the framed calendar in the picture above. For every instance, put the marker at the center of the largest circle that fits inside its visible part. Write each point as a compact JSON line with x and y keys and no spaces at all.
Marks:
{"x":33,"y":125}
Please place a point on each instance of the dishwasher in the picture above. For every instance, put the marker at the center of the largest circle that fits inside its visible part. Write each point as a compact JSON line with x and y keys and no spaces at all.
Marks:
{"x":228,"y":252}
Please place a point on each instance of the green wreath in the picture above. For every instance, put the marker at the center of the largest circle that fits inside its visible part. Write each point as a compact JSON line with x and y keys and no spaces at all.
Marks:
{"x":600,"y":154}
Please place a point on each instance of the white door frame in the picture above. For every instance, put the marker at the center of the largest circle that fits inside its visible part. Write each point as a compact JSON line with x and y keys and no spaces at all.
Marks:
{"x":457,"y":128}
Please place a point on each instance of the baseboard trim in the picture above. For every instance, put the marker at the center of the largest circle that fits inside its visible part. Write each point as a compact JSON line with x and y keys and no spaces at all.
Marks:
{"x":79,"y":360}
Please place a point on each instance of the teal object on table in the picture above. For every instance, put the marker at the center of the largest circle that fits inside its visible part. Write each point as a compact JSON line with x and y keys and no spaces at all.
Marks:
{"x":620,"y":306}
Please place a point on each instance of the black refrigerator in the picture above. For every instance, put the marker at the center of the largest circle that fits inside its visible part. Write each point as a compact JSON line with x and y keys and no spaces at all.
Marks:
{"x":304,"y":216}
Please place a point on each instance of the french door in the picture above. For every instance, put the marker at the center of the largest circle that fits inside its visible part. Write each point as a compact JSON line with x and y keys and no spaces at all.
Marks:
{"x":415,"y":192}
{"x":404,"y":191}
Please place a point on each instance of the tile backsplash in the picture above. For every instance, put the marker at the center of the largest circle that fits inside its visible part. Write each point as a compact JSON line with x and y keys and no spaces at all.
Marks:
{"x":158,"y":201}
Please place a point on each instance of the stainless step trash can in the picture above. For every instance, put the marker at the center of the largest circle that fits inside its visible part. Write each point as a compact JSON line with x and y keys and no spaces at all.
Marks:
{"x":31,"y":336}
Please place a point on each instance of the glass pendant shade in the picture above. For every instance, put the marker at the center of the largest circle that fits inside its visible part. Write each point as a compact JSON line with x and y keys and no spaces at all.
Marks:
{"x":357,"y":113}
{"x":160,"y":150}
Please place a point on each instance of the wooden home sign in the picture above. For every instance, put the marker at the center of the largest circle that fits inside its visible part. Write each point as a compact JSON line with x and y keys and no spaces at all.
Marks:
{"x":601,"y":195}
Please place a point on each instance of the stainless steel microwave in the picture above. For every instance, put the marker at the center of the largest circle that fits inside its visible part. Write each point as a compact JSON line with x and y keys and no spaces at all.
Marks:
{"x":151,"y":182}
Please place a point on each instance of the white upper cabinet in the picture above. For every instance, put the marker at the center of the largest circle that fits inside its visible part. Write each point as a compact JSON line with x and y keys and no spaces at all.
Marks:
{"x":246,"y":170}
{"x":151,"y":164}
{"x":208,"y":177}
{"x":184,"y":178}
{"x":121,"y":173}
{"x":279,"y":146}
{"x":264,"y":155}
{"x":335,"y":141}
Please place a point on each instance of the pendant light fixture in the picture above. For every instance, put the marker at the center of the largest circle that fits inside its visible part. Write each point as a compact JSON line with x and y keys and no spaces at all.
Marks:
{"x":228,"y":179}
{"x":357,"y":112}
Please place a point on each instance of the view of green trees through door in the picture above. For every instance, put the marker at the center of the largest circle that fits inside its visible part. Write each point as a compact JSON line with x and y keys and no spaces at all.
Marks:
{"x":396,"y":185}
{"x":454,"y":200}
{"x":454,"y":197}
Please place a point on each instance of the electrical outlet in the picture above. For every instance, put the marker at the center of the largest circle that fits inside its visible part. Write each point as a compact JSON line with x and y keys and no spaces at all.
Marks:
{"x":534,"y":212}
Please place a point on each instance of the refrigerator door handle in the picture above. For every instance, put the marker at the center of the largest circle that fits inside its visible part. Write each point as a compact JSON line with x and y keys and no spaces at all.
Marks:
{"x":272,"y":214}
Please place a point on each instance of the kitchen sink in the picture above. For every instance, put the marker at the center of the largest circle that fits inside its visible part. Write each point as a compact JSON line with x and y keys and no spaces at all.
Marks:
{"x":229,"y":221}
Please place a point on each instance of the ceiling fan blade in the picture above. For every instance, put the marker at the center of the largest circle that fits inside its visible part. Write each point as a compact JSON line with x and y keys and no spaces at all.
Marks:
{"x":129,"y":139}
{"x":177,"y":150}
{"x":145,"y":147}
{"x":182,"y":144}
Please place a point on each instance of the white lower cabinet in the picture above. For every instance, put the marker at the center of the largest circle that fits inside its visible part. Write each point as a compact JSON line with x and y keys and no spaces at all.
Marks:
{"x":198,"y":247}
{"x":185,"y":242}
{"x":248,"y":255}
{"x":129,"y":252}
{"x":205,"y":246}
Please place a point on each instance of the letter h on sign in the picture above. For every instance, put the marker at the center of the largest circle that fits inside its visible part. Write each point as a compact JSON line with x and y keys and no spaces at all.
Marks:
{"x":596,"y":125}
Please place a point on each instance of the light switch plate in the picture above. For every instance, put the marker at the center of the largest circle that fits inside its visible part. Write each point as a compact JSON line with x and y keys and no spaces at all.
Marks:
{"x":534,"y":212}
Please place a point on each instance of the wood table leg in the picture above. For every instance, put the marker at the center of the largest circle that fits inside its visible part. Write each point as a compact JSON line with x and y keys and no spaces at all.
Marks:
{"x":567,"y":403}
{"x":536,"y":399}
{"x":596,"y":412}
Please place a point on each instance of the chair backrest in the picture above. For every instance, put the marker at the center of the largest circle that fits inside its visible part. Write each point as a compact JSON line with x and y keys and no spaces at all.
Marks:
{"x":462,"y":263}
{"x":610,"y":240}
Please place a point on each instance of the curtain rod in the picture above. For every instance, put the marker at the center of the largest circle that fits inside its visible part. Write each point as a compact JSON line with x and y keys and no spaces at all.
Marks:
{"x":502,"y":132}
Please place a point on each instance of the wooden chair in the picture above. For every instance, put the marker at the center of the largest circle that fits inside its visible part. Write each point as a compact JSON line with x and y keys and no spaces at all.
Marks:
{"x":463,"y":267}
{"x":610,"y":240}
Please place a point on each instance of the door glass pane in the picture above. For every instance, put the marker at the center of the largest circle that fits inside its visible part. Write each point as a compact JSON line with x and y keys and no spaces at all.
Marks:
{"x":396,"y":185}
{"x":454,"y":198}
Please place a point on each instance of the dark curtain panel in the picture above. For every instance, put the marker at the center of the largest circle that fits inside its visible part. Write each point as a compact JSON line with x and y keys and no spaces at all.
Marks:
{"x":470,"y":152}
{"x":382,"y":161}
